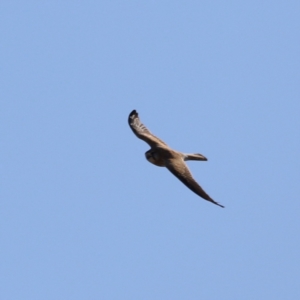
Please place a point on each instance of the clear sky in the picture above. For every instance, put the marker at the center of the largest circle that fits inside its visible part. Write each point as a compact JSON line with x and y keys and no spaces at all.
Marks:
{"x":83,"y":215}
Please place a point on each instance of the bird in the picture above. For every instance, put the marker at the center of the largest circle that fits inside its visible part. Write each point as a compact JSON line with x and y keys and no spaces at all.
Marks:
{"x":161,"y":155}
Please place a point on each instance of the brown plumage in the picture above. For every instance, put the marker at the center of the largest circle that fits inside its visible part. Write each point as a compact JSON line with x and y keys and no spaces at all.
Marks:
{"x":160,"y":154}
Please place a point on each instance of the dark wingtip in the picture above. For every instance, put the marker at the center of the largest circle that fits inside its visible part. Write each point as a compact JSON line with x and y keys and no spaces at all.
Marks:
{"x":214,"y":202}
{"x":203,"y":158}
{"x":131,"y":115}
{"x":134,"y":112}
{"x":219,"y":204}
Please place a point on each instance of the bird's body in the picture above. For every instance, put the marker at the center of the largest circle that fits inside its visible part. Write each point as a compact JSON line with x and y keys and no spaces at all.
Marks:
{"x":161,"y":155}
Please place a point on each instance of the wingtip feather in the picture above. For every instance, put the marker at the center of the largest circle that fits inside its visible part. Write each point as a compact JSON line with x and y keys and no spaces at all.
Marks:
{"x":214,"y":202}
{"x":132,"y":116}
{"x":134,"y":112}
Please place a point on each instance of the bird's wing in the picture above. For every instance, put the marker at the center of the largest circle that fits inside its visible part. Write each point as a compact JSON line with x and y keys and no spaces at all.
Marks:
{"x":141,"y":131}
{"x":178,"y":168}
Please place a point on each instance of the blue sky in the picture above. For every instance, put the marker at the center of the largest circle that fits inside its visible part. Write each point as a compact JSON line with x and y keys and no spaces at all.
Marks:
{"x":84,"y":215}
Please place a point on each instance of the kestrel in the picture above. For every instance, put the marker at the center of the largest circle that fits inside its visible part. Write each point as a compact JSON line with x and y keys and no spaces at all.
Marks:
{"x":161,"y":155}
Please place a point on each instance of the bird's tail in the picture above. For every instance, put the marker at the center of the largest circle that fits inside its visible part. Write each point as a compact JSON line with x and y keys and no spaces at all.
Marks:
{"x":195,"y":156}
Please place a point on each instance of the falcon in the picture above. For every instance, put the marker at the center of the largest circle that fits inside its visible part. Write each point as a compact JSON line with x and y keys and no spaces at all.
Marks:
{"x":161,"y":155}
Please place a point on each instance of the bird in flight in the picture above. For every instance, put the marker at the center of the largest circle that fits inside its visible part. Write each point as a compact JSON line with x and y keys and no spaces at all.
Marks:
{"x":161,"y":155}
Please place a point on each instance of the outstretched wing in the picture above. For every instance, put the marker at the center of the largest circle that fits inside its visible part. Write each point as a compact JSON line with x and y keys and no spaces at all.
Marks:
{"x":141,"y":131}
{"x":178,"y":168}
